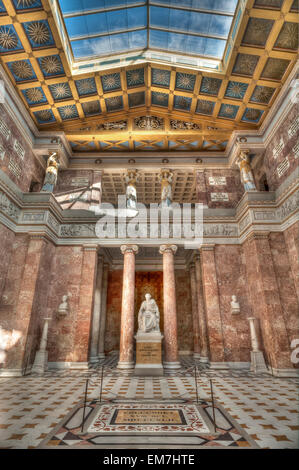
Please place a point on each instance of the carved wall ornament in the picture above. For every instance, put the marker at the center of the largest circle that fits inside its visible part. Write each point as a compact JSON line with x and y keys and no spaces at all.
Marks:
{"x":8,"y":207}
{"x":149,"y":123}
{"x":114,"y":125}
{"x":73,"y":230}
{"x":235,"y":306}
{"x":63,"y":309}
{"x":183,"y":125}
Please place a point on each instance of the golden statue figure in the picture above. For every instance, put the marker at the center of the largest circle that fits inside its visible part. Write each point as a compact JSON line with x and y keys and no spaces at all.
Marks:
{"x":131,"y":192}
{"x":166,"y":190}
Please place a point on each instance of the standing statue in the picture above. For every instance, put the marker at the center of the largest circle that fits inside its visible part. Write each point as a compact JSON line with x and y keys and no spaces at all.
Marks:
{"x":166,"y":191}
{"x":51,"y":173}
{"x":243,"y":163}
{"x":149,"y":315}
{"x":131,"y":192}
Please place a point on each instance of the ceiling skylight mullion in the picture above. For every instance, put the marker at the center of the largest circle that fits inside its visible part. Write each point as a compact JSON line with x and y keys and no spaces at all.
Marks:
{"x":189,"y":33}
{"x":110,"y":33}
{"x":193,"y":10}
{"x":103,"y":10}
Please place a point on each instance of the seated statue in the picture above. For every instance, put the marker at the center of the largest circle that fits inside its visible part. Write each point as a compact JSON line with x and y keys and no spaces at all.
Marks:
{"x":148,"y":316}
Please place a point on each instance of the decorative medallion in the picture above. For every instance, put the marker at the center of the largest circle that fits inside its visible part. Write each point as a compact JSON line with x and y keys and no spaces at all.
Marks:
{"x":114,"y":104}
{"x":288,"y":36}
{"x":86,"y":86}
{"x":91,"y":108}
{"x":262,"y":94}
{"x":116,"y":125}
{"x":9,"y":41}
{"x":159,"y":99}
{"x":149,"y":123}
{"x":51,"y":65}
{"x":111,"y":82}
{"x":34,"y":96}
{"x":61,"y":91}
{"x":39,"y":34}
{"x":236,"y":90}
{"x":228,"y":111}
{"x":252,"y":115}
{"x":205,"y":107}
{"x":22,"y":70}
{"x":182,"y":102}
{"x":210,"y":86}
{"x":245,"y":64}
{"x":160,"y":77}
{"x":185,"y":81}
{"x":135,"y":77}
{"x":275,"y":68}
{"x":27,"y":4}
{"x":45,"y":116}
{"x":68,"y":112}
{"x":136,"y":99}
{"x":183,"y":125}
{"x":257,"y":31}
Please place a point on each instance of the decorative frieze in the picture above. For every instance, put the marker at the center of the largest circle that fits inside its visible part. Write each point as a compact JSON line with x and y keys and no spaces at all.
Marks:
{"x":217,"y":180}
{"x":15,"y":168}
{"x":278,"y":148}
{"x":183,"y":125}
{"x":4,"y":130}
{"x":2,"y":152}
{"x":244,"y":222}
{"x":264,"y":215}
{"x":149,"y":123}
{"x":289,"y":206}
{"x":8,"y":207}
{"x":73,"y":230}
{"x":110,"y":126}
{"x":294,"y":127}
{"x":223,"y":230}
{"x":20,"y":151}
{"x":215,"y":197}
{"x":296,"y":150}
{"x":33,"y":216}
{"x":53,"y":223}
{"x":283,"y":167}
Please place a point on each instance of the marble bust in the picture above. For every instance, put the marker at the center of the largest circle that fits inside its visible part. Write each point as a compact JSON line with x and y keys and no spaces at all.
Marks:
{"x":63,"y":308}
{"x":235,"y":306}
{"x":148,"y":316}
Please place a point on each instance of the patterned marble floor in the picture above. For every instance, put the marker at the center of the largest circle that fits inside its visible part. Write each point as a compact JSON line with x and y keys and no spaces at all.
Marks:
{"x":265,"y":406}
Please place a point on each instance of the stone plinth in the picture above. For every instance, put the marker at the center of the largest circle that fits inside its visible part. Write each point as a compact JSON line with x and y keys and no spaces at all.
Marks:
{"x":149,"y":353}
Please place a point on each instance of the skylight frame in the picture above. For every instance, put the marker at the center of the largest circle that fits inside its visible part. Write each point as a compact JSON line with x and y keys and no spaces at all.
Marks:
{"x":149,"y":54}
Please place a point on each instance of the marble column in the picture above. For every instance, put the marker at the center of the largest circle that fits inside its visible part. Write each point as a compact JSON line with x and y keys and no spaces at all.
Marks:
{"x":101,"y":343}
{"x":41,"y":356}
{"x":126,"y":348}
{"x":212,"y":307}
{"x":85,"y":307}
{"x":204,"y":342}
{"x":196,"y":336}
{"x":266,"y":302}
{"x":171,"y":360}
{"x":95,"y":329}
{"x":253,"y":335}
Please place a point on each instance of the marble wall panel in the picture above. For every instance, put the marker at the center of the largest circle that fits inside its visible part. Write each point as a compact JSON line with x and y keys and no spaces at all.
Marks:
{"x":21,"y":170}
{"x":232,"y":188}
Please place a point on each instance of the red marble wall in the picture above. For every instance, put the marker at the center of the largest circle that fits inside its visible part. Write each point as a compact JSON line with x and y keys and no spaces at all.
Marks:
{"x":291,"y":236}
{"x":76,"y":195}
{"x":231,"y":275}
{"x":151,"y":282}
{"x":29,"y":167}
{"x":7,"y":239}
{"x":270,"y":162}
{"x":233,"y":187}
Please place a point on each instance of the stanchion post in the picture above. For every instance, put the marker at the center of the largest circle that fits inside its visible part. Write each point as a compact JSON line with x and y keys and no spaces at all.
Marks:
{"x":213,"y":406}
{"x":85,"y":396}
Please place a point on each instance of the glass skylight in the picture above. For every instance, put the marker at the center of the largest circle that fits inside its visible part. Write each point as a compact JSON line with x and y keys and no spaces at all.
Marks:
{"x":102,"y":28}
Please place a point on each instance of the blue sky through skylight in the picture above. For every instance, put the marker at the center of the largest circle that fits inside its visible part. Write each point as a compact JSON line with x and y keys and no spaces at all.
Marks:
{"x":99,"y":28}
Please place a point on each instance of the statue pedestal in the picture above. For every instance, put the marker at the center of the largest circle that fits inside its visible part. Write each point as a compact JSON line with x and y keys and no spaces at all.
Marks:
{"x":40,"y":364}
{"x":258,"y":364}
{"x":148,"y":353}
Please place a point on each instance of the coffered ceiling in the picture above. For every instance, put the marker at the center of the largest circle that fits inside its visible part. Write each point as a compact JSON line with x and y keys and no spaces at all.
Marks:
{"x":150,"y":105}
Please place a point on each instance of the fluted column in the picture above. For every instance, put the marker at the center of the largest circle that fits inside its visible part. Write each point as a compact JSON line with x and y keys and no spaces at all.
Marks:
{"x":101,"y":344}
{"x":126,"y":347}
{"x":95,"y":330}
{"x":203,"y":332}
{"x":170,"y":315}
{"x":196,"y":336}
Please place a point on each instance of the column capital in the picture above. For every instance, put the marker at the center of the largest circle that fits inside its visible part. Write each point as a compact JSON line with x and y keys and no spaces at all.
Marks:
{"x":263,"y":235}
{"x":129,"y":249}
{"x":207,"y":247}
{"x":164,"y":248}
{"x":90,"y":247}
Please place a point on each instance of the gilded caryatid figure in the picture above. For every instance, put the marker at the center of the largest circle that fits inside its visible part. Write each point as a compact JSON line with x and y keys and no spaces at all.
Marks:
{"x":131,"y":179}
{"x":149,"y":316}
{"x":166,"y":191}
{"x":247,"y":179}
{"x":51,"y":173}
